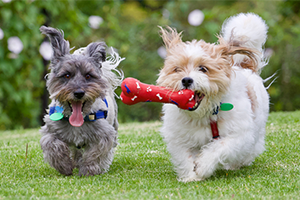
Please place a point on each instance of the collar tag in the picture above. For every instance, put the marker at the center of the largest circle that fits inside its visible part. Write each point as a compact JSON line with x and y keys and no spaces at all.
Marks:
{"x":226,"y":106}
{"x":56,"y":113}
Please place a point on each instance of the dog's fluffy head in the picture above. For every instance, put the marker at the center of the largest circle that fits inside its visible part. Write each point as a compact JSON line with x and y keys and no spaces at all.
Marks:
{"x":203,"y":67}
{"x":76,"y":81}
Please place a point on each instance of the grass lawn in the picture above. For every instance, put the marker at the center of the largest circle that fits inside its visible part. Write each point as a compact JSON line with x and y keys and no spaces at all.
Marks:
{"x":142,"y":169}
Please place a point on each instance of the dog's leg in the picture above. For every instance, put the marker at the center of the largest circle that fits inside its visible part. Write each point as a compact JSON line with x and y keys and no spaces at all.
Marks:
{"x":96,"y":160}
{"x":183,"y":159}
{"x":76,"y":155}
{"x":227,"y":152}
{"x":57,"y":153}
{"x":258,"y":148}
{"x":97,"y":157}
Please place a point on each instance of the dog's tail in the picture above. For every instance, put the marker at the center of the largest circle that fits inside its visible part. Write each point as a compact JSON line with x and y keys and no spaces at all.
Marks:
{"x":250,"y":31}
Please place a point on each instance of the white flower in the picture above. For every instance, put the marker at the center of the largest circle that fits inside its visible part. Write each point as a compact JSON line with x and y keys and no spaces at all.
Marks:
{"x":162,"y":52}
{"x":166,"y":14}
{"x":95,"y":21}
{"x":6,"y":1}
{"x":1,"y":34}
{"x":196,"y":17}
{"x":15,"y":45}
{"x":46,"y":50}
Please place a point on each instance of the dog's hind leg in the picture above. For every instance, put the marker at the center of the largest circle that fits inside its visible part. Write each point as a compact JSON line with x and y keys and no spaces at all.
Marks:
{"x":57,"y":154}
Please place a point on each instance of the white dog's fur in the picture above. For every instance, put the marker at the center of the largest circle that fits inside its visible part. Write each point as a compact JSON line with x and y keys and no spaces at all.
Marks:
{"x":230,"y":75}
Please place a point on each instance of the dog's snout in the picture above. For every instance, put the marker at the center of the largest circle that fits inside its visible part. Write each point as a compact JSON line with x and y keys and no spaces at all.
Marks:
{"x":187,"y":82}
{"x":79,"y":94}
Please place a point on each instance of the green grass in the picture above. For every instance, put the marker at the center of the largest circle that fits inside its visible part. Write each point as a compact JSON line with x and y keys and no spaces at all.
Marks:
{"x":142,"y":169}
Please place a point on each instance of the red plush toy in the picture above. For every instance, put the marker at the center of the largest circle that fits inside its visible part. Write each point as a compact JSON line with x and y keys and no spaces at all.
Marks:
{"x":133,"y":91}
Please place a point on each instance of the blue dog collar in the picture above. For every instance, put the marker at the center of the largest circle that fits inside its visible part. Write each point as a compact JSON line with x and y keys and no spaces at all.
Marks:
{"x":100,"y":114}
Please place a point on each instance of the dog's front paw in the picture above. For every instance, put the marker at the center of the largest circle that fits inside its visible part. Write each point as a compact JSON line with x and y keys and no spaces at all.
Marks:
{"x":66,"y":169}
{"x":203,"y":171}
{"x":56,"y":153}
{"x":63,"y":164}
{"x":89,"y":170}
{"x":190,"y":179}
{"x":197,"y":169}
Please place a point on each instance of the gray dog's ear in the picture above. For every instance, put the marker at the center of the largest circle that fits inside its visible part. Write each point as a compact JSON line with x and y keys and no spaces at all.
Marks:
{"x":97,"y":51}
{"x":60,"y":46}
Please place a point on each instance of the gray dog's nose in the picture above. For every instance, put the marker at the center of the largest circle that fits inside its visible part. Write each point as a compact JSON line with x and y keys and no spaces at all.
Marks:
{"x":187,"y":82}
{"x":79,"y":94}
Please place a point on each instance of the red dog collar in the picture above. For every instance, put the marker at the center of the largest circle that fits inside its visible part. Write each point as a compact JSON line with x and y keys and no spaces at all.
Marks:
{"x":214,"y":129}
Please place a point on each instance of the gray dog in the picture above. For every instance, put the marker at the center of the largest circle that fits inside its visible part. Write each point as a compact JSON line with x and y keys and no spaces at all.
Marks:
{"x":81,"y":127}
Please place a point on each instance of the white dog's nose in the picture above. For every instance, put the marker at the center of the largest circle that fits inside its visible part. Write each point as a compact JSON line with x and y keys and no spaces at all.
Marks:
{"x":187,"y":82}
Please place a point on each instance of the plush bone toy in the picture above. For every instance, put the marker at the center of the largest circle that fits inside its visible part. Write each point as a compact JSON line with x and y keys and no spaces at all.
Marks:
{"x":133,"y":91}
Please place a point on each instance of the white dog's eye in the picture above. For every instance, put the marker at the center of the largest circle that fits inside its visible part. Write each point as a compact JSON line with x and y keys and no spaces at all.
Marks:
{"x":177,"y":69}
{"x":203,"y":69}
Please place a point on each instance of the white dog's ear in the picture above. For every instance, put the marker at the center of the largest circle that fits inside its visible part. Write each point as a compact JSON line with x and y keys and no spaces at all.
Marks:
{"x":60,"y":46}
{"x":170,"y":36}
{"x":236,"y":47}
{"x":97,"y":52}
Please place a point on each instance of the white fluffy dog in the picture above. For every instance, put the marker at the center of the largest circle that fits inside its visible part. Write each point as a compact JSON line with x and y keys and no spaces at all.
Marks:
{"x":226,"y":72}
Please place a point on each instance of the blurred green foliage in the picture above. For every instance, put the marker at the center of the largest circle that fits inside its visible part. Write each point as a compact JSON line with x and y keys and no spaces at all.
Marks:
{"x":131,"y":28}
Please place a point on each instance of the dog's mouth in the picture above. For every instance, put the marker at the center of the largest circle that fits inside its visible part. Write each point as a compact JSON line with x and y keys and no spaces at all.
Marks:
{"x":76,"y":118}
{"x":198,"y":97}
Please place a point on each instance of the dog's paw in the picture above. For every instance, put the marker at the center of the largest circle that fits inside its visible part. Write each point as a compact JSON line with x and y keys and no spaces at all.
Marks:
{"x":197,"y":169}
{"x":190,"y":179}
{"x":202,"y":171}
{"x":68,"y":171}
{"x":90,"y":170}
{"x":64,"y":166}
{"x":195,"y":166}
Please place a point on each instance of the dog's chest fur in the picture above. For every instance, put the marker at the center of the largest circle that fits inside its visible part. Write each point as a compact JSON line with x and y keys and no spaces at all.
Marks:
{"x":191,"y":133}
{"x":77,"y":136}
{"x":89,"y":132}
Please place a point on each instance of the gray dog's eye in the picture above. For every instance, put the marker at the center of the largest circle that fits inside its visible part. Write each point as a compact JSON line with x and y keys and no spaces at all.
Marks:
{"x":67,"y":76}
{"x":87,"y":77}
